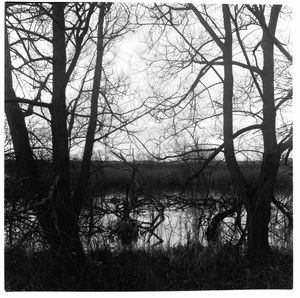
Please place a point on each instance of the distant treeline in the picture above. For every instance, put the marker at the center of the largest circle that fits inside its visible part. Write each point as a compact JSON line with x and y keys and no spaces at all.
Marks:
{"x":107,"y":175}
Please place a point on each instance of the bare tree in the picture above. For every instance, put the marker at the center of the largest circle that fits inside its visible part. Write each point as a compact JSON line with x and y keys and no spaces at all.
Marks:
{"x":71,"y":113}
{"x":212,"y":50}
{"x":58,"y":212}
{"x":257,"y":198}
{"x":54,"y":207}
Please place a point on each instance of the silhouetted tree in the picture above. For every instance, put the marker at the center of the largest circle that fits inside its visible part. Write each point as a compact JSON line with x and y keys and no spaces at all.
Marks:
{"x":205,"y":55}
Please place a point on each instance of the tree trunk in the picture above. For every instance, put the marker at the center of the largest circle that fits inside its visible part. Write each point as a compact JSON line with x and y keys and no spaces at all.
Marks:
{"x":212,"y":232}
{"x":259,"y":209}
{"x":31,"y":190}
{"x":258,"y":217}
{"x":54,"y":208}
{"x":83,"y":181}
{"x":68,"y":242}
{"x":231,"y":162}
{"x":257,"y":200}
{"x":16,"y":122}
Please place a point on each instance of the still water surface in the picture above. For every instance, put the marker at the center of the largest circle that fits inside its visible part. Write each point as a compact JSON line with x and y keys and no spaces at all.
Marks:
{"x":163,"y":225}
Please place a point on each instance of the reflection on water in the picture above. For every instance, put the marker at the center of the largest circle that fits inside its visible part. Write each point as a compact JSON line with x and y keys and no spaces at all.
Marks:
{"x":170,"y":220}
{"x":119,"y":220}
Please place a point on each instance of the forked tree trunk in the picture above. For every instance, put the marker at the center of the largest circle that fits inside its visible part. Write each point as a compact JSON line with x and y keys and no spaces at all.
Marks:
{"x":257,"y":200}
{"x":259,"y":209}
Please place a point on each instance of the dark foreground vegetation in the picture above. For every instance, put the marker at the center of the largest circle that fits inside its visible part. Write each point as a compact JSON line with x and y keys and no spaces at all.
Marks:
{"x":184,"y":267}
{"x":29,"y":266}
{"x":179,"y":268}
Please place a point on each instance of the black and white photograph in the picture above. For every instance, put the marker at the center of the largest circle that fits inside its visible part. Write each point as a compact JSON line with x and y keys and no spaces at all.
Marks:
{"x":148,"y":146}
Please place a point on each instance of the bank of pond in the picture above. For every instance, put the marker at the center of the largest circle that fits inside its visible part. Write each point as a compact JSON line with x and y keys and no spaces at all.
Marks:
{"x":138,"y":237}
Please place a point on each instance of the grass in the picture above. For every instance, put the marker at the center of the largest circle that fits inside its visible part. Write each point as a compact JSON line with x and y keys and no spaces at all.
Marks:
{"x":178,"y":268}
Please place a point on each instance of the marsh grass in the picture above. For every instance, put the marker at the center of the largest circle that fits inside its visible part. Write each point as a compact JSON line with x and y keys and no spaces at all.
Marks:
{"x":111,"y":175}
{"x":174,"y":175}
{"x":191,"y":267}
